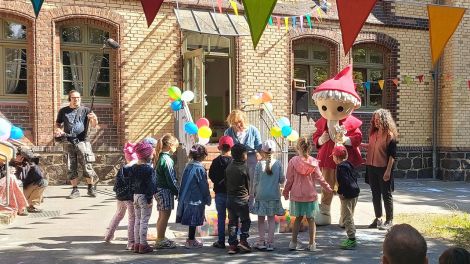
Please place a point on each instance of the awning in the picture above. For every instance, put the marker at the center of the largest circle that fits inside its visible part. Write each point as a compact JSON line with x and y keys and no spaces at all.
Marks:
{"x":212,"y":23}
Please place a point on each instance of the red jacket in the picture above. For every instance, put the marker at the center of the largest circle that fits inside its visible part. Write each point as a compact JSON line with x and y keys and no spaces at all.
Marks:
{"x":352,"y":125}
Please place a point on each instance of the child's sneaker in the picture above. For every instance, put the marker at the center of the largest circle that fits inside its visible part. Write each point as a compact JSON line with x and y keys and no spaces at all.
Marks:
{"x":136,"y":248}
{"x":165,"y":244}
{"x":232,"y":249}
{"x":130,"y":246}
{"x":295,"y":246}
{"x":192,"y":244}
{"x":144,"y":249}
{"x":312,"y":247}
{"x":260,"y":245}
{"x":348,"y":244}
{"x":244,"y":246}
{"x":270,"y":247}
{"x":218,"y":244}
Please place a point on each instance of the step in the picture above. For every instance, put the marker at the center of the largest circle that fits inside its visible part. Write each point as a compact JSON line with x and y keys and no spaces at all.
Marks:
{"x":7,"y":215}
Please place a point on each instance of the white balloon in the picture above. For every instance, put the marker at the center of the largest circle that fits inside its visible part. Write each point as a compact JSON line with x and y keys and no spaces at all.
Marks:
{"x":203,"y":141}
{"x":187,"y":96}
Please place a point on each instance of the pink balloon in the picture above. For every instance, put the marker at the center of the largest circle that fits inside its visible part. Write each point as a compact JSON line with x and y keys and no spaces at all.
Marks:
{"x":202,"y":122}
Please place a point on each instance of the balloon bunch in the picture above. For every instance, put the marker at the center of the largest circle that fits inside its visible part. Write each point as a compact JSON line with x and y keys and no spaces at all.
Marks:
{"x":201,"y":128}
{"x":285,"y":130}
{"x":178,"y":98}
{"x":7,"y":130}
{"x":263,"y":98}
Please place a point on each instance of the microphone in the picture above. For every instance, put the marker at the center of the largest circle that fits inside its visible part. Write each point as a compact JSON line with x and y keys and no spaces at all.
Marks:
{"x":112,"y":43}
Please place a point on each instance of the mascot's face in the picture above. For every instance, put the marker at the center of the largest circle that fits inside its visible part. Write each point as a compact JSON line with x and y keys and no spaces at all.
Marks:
{"x":334,"y":109}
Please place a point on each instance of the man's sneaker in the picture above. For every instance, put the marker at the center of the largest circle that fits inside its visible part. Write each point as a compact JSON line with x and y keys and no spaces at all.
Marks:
{"x":244,"y":246}
{"x":312,"y":247}
{"x":295,"y":246}
{"x":145,"y":249}
{"x":376,"y":223}
{"x":165,"y":244}
{"x":348,"y":244}
{"x":192,"y":244}
{"x":260,"y":245}
{"x":218,"y":244}
{"x":270,"y":247}
{"x":387,"y":225}
{"x":91,"y":192}
{"x":74,"y":194}
{"x":232,"y":249}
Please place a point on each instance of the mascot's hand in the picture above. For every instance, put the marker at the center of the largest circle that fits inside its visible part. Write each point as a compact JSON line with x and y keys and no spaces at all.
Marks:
{"x":324,"y":138}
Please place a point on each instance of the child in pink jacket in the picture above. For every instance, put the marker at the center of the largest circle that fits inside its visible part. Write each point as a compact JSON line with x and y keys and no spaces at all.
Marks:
{"x":302,"y":172}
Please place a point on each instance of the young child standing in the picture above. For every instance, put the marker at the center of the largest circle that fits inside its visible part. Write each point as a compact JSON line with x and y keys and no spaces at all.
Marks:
{"x":267,"y":194}
{"x":348,"y":191}
{"x":167,"y":188}
{"x":217,"y":176}
{"x":194,"y":195}
{"x":124,"y":189}
{"x":144,"y":190}
{"x":237,"y":182}
{"x":302,"y":172}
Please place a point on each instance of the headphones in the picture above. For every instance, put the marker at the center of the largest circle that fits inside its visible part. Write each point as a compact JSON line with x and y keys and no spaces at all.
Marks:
{"x":70,"y":92}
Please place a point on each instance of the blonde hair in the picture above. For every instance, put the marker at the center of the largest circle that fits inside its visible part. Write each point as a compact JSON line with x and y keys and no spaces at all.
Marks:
{"x":338,"y":96}
{"x":166,"y":141}
{"x":303,"y":147}
{"x":236,"y":116}
{"x":385,"y":120}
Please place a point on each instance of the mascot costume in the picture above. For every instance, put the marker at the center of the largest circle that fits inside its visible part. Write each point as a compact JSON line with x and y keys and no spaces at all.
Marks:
{"x":336,"y":99}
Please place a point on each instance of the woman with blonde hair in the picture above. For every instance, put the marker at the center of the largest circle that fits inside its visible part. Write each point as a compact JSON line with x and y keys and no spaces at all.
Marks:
{"x":381,"y":153}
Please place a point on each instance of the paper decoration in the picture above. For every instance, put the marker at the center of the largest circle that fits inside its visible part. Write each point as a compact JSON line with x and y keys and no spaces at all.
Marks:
{"x":302,"y":23}
{"x":443,"y":21}
{"x":294,"y":21}
{"x":309,"y":21}
{"x":381,"y":84}
{"x":235,"y":7}
{"x":319,"y":12}
{"x":278,"y":22}
{"x":420,"y":78}
{"x":257,"y":16}
{"x":407,"y":79}
{"x":151,"y":8}
{"x":37,"y":4}
{"x":270,"y":21}
{"x":433,"y":76}
{"x":367,"y":85}
{"x":219,"y":5}
{"x":286,"y":23}
{"x":352,"y":16}
{"x":395,"y":81}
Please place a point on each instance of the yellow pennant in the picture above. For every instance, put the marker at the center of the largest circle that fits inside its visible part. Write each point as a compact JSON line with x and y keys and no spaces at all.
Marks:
{"x":443,"y":21}
{"x":320,"y":15}
{"x":286,"y":23}
{"x":234,"y":6}
{"x":381,"y":84}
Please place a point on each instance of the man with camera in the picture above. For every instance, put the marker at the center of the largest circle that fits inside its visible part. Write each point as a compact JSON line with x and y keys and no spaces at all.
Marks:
{"x":72,"y":128}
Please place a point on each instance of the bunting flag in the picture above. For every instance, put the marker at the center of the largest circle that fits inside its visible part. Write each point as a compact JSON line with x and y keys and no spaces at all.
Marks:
{"x":294,"y":21}
{"x":381,"y":84}
{"x":286,"y":23}
{"x":37,"y":4}
{"x":468,"y":84}
{"x":407,"y":79}
{"x":302,"y":23}
{"x":319,"y":12}
{"x":235,"y":8}
{"x":309,"y":21}
{"x":420,"y":78}
{"x":367,"y":85}
{"x":257,"y":16}
{"x":151,"y":8}
{"x":270,"y":21}
{"x":219,"y":5}
{"x":352,"y":16}
{"x":395,"y":81}
{"x":433,"y":76}
{"x":278,"y":22}
{"x":443,"y":21}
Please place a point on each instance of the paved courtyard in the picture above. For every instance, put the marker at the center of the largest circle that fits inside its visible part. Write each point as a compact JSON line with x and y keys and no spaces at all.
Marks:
{"x":71,"y":231}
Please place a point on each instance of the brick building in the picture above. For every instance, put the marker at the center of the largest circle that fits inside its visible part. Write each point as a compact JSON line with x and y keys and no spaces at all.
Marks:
{"x":43,"y":58}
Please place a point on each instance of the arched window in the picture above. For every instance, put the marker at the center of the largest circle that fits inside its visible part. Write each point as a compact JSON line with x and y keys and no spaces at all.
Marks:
{"x":13,"y":68}
{"x":370,"y":66}
{"x":311,"y":64}
{"x":82,"y":57}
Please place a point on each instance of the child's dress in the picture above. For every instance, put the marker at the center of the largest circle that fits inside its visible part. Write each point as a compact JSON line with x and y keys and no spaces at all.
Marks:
{"x":194,"y":196}
{"x":267,"y":191}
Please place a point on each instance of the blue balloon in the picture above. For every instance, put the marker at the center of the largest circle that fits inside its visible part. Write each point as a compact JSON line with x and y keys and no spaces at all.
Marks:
{"x":16,"y":133}
{"x":283,"y":121}
{"x":286,"y":131}
{"x":176,"y":105}
{"x":190,"y":128}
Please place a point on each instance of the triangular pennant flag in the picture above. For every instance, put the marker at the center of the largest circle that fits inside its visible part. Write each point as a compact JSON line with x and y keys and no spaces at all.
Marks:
{"x":352,"y":16}
{"x":468,"y":84}
{"x":381,"y":84}
{"x":406,"y":79}
{"x":420,"y":78}
{"x":448,"y":76}
{"x":278,"y":22}
{"x":286,"y":23}
{"x":309,"y":21}
{"x":151,"y":8}
{"x":257,"y":16}
{"x":270,"y":21}
{"x":294,"y":21}
{"x":37,"y":4}
{"x":219,"y":5}
{"x":433,"y":75}
{"x":302,"y":23}
{"x":235,"y":8}
{"x":443,"y":21}
{"x":319,"y":12}
{"x":395,"y":81}
{"x":367,"y":85}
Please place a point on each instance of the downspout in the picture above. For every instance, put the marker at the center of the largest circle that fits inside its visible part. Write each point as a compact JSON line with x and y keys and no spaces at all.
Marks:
{"x":435,"y":112}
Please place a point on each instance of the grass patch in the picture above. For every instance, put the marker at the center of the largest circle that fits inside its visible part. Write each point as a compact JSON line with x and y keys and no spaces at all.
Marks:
{"x":454,"y":227}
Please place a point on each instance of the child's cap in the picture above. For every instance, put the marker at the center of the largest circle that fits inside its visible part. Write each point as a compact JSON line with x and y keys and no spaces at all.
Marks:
{"x":143,"y":150}
{"x":340,"y":152}
{"x":226,"y":140}
{"x":129,"y":151}
{"x":150,"y":140}
{"x":268,"y":146}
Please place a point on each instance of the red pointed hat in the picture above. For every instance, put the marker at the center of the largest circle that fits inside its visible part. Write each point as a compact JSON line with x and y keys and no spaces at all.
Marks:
{"x":342,"y":82}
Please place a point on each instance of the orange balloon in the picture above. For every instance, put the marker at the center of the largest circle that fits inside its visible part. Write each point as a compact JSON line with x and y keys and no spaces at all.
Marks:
{"x":267,"y":97}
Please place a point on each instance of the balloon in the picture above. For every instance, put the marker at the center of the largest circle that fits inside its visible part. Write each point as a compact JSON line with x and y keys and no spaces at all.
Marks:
{"x":174,"y":92}
{"x":5,"y":129}
{"x":294,"y":136}
{"x":203,"y":141}
{"x":269,"y":106}
{"x":276,"y":132}
{"x":16,"y":133}
{"x":267,"y":97}
{"x":256,"y":100}
{"x":187,"y":96}
{"x":286,"y":131}
{"x":202,"y":122}
{"x":190,"y":128}
{"x":204,"y":132}
{"x":176,"y":105}
{"x":283,"y":121}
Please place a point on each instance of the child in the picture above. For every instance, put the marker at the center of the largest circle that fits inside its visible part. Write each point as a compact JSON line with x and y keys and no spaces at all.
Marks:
{"x":237,"y":182}
{"x":144,"y":176}
{"x":302,"y":172}
{"x":124,"y":189}
{"x":268,"y":176}
{"x":217,"y":175}
{"x":194,"y":195}
{"x":348,"y":191}
{"x":167,"y":188}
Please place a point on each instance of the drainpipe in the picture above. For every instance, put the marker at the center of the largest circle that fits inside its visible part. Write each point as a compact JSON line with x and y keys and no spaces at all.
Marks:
{"x":435,"y":111}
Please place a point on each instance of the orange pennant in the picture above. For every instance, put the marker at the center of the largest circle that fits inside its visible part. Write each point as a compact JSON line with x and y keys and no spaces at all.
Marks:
{"x":395,"y":81}
{"x":443,"y":21}
{"x":381,"y":84}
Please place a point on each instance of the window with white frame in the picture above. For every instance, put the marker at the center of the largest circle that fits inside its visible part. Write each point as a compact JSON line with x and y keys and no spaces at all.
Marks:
{"x":82,"y":58}
{"x":13,"y":58}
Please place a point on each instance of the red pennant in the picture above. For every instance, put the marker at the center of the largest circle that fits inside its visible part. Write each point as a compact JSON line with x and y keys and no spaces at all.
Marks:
{"x":420,"y":78}
{"x":219,"y":4}
{"x":278,"y":22}
{"x":151,"y":8}
{"x":468,"y":85}
{"x":395,"y":81}
{"x":352,"y":16}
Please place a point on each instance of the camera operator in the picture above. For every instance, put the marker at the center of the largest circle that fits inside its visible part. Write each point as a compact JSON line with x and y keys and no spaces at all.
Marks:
{"x":72,"y":125}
